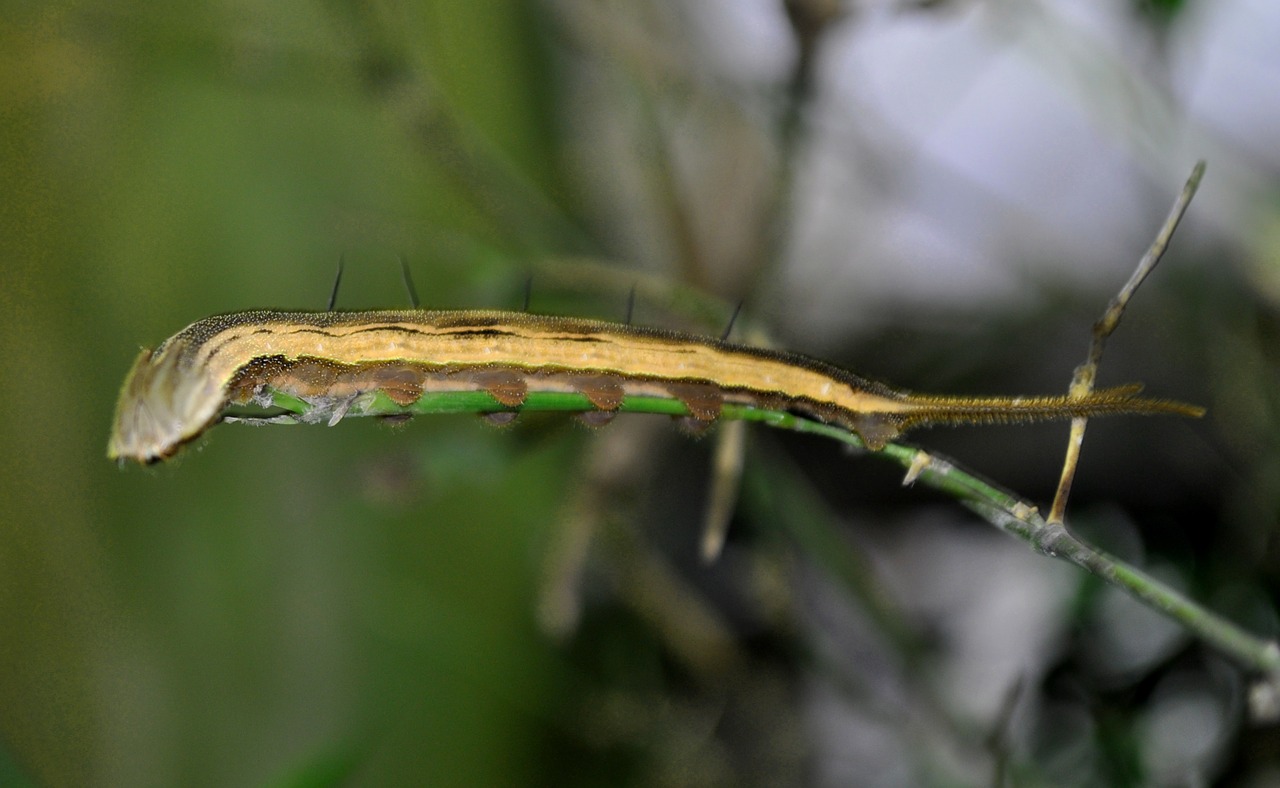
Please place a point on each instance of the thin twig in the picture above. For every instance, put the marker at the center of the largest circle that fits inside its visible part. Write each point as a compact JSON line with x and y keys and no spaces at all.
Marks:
{"x":1086,"y":374}
{"x":1020,"y":519}
{"x":722,"y":494}
{"x":1011,"y":514}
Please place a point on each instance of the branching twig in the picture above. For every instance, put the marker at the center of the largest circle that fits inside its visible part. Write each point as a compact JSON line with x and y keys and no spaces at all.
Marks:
{"x":1022,"y":520}
{"x":1087,"y":373}
{"x":1001,"y":508}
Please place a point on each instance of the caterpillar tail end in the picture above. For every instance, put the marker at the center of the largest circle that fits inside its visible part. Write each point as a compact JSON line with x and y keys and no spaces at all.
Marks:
{"x":1120,"y":400}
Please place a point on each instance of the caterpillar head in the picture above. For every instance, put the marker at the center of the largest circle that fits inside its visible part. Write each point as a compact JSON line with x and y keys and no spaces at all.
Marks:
{"x":164,"y":404}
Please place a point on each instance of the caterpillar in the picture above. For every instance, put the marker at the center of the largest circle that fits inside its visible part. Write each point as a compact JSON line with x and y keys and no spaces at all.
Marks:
{"x":335,"y":363}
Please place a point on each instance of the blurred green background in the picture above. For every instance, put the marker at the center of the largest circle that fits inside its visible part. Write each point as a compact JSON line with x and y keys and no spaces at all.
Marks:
{"x":310,"y":606}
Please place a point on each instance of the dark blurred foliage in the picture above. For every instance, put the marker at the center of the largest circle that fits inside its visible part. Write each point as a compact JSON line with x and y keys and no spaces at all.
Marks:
{"x":452,"y":604}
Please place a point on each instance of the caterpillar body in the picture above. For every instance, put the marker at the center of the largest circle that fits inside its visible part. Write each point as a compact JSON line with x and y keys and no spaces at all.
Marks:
{"x":333,"y":362}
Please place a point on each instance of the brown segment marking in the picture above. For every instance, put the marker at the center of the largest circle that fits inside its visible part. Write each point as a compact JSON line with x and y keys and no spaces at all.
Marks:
{"x":506,"y":385}
{"x":402,"y":383}
{"x":251,"y":378}
{"x":703,"y":400}
{"x":603,"y":391}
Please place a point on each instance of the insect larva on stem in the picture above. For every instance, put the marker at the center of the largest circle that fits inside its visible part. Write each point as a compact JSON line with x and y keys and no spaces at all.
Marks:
{"x":331,"y":364}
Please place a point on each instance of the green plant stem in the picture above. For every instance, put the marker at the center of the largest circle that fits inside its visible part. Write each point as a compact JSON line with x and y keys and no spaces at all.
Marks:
{"x":1002,"y":509}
